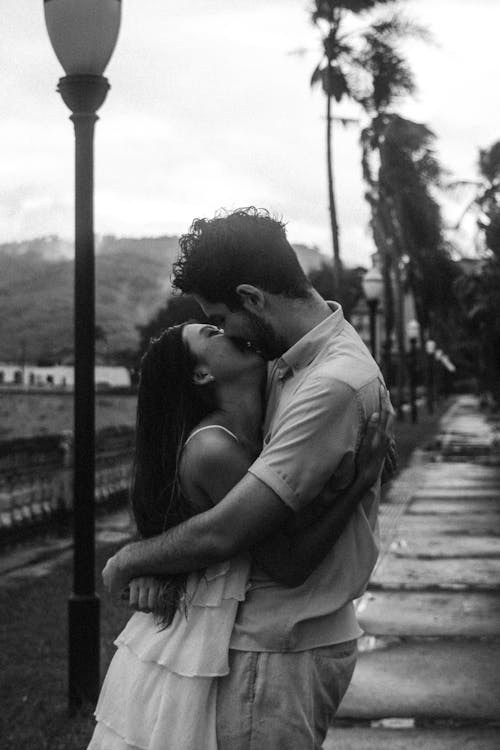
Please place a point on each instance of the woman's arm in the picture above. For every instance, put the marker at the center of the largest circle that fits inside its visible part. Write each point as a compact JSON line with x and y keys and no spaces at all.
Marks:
{"x":290,"y":558}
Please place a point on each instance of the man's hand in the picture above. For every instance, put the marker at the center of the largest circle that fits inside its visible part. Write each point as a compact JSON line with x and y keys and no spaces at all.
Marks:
{"x":377,"y":447}
{"x":391,"y":462}
{"x":115,"y":575}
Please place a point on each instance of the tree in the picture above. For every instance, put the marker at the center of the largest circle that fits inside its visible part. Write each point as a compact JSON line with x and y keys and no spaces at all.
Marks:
{"x":178,"y":309}
{"x":322,"y":280}
{"x":478,"y":291}
{"x":335,"y":74}
{"x":401,"y":173}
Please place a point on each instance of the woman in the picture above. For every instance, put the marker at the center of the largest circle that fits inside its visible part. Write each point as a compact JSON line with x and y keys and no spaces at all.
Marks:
{"x":199,"y":420}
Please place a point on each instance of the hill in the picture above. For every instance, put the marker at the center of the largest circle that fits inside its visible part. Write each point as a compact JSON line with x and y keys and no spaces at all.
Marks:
{"x":132,"y":282}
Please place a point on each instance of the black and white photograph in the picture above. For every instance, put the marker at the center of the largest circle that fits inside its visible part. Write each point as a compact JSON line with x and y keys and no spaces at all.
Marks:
{"x":250,"y":375}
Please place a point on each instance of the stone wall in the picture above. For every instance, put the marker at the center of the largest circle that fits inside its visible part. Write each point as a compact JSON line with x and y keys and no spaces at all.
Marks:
{"x":36,"y":476}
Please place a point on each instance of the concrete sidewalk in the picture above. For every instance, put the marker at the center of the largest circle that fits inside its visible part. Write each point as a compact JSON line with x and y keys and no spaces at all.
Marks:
{"x":427,"y":676}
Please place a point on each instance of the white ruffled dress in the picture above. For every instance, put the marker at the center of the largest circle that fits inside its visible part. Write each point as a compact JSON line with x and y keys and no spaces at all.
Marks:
{"x":160,"y":690}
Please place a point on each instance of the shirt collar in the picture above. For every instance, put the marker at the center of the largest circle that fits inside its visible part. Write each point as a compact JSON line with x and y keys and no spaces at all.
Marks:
{"x":305,"y":350}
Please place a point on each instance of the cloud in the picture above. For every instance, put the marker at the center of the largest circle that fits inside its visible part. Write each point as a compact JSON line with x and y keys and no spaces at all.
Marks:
{"x":209,"y":109}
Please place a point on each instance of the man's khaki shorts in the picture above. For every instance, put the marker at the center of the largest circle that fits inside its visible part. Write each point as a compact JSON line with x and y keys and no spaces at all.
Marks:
{"x":282,"y":701}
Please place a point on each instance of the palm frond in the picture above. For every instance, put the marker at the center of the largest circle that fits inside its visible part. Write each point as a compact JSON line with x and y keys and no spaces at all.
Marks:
{"x":317,"y":75}
{"x":398,"y":26}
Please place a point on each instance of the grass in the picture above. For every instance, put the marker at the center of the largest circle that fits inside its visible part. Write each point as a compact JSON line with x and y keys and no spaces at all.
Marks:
{"x":33,"y":628}
{"x":32,"y":413}
{"x":33,"y":666}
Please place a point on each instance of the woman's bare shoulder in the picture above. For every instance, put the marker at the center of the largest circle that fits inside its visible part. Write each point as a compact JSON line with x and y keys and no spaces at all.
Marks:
{"x":211,"y":446}
{"x":207,"y":455}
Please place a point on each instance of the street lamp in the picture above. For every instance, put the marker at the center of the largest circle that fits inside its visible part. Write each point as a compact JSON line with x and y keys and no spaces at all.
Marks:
{"x":83,"y":34}
{"x":438,"y":355}
{"x":373,"y":287}
{"x":412,"y":330}
{"x":430,"y":348}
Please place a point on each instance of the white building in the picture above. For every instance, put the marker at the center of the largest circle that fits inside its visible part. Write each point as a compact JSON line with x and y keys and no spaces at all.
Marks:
{"x":61,"y":376}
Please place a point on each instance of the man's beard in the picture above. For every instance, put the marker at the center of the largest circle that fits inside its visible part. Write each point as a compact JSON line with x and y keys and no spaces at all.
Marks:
{"x":262,"y":337}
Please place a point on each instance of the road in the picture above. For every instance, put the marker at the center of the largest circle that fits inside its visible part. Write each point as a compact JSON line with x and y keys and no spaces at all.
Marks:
{"x":428,"y":671}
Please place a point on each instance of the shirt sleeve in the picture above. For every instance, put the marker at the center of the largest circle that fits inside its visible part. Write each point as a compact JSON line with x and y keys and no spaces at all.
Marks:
{"x":315,"y":438}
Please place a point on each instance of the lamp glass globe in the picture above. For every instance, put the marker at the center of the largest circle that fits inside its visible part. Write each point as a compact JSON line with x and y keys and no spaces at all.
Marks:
{"x":83,"y":33}
{"x":373,"y":285}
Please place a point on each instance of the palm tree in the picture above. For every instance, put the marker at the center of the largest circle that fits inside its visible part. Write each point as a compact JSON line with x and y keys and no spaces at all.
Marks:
{"x":333,"y":73}
{"x":486,"y":189}
{"x":478,"y":292}
{"x":390,"y":79}
{"x":400,"y":171}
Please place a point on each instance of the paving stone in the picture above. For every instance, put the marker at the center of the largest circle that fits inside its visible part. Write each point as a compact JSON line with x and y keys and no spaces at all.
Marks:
{"x":355,"y":738}
{"x":446,"y":506}
{"x":481,"y":524}
{"x":465,"y":483}
{"x":435,"y":679}
{"x":461,"y":469}
{"x":431,"y":545}
{"x":457,"y":493}
{"x":415,"y":574}
{"x":426,"y":614}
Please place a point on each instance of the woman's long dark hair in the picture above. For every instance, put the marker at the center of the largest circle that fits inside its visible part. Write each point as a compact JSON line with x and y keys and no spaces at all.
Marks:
{"x":169,"y":406}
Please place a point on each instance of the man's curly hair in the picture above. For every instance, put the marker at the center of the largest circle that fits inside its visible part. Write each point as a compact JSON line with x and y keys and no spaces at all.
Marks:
{"x":246,"y":246}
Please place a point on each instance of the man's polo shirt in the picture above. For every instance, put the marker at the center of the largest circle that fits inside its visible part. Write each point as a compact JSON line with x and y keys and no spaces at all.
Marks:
{"x":320,"y":394}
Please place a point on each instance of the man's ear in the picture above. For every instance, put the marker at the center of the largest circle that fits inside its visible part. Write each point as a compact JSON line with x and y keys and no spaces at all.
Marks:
{"x":252,"y":298}
{"x":201,"y":376}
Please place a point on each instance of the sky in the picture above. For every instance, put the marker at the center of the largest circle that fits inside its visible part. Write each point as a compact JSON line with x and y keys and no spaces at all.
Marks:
{"x":210,"y":106}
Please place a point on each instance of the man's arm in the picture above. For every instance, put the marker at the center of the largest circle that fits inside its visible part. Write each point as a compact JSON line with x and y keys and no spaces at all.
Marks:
{"x":248,"y":513}
{"x":253,"y":510}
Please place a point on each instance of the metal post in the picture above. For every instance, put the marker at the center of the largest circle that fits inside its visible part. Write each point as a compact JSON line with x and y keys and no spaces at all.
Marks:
{"x":413,"y":380}
{"x":388,"y":362}
{"x":84,"y":94}
{"x":372,"y":305}
{"x":430,"y":383}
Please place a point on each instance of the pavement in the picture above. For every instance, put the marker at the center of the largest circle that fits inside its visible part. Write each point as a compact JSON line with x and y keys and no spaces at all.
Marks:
{"x":428,"y":672}
{"x":427,"y":675}
{"x":45,"y":552}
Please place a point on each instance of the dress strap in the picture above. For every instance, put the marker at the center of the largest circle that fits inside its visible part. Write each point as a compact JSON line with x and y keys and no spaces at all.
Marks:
{"x":210,"y":427}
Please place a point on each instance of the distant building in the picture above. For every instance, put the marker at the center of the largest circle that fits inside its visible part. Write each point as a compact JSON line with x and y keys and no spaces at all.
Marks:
{"x":61,"y":376}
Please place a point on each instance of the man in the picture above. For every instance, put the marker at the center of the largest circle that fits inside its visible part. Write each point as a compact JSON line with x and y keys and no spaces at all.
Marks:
{"x":293,"y":650}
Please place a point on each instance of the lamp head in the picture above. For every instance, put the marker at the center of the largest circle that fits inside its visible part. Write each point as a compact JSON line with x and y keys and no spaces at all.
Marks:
{"x":373,"y":285}
{"x":413,"y":329}
{"x":430,"y":346}
{"x":83,"y":33}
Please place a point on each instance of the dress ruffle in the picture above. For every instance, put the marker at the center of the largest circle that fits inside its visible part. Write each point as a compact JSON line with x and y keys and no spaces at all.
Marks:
{"x":143,"y":705}
{"x":160,"y":692}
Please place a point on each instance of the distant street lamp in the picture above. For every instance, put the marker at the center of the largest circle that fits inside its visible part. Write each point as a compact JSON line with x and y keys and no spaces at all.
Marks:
{"x":83,"y":34}
{"x":430,"y":348}
{"x":412,"y":330}
{"x":373,"y":287}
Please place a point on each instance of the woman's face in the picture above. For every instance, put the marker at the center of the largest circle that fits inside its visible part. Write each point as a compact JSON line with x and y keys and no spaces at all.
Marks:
{"x":218,"y":354}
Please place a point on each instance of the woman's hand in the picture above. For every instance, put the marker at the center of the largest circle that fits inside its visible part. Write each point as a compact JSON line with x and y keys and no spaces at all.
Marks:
{"x":142,"y":593}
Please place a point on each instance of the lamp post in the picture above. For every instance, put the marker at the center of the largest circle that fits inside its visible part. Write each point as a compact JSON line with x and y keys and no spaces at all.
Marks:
{"x":430,"y":348}
{"x":448,"y":370}
{"x":438,"y":354}
{"x":412,"y":330}
{"x":83,"y":34}
{"x":373,"y":286}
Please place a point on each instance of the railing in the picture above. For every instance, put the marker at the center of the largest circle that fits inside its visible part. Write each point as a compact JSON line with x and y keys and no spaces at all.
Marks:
{"x":36,"y":476}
